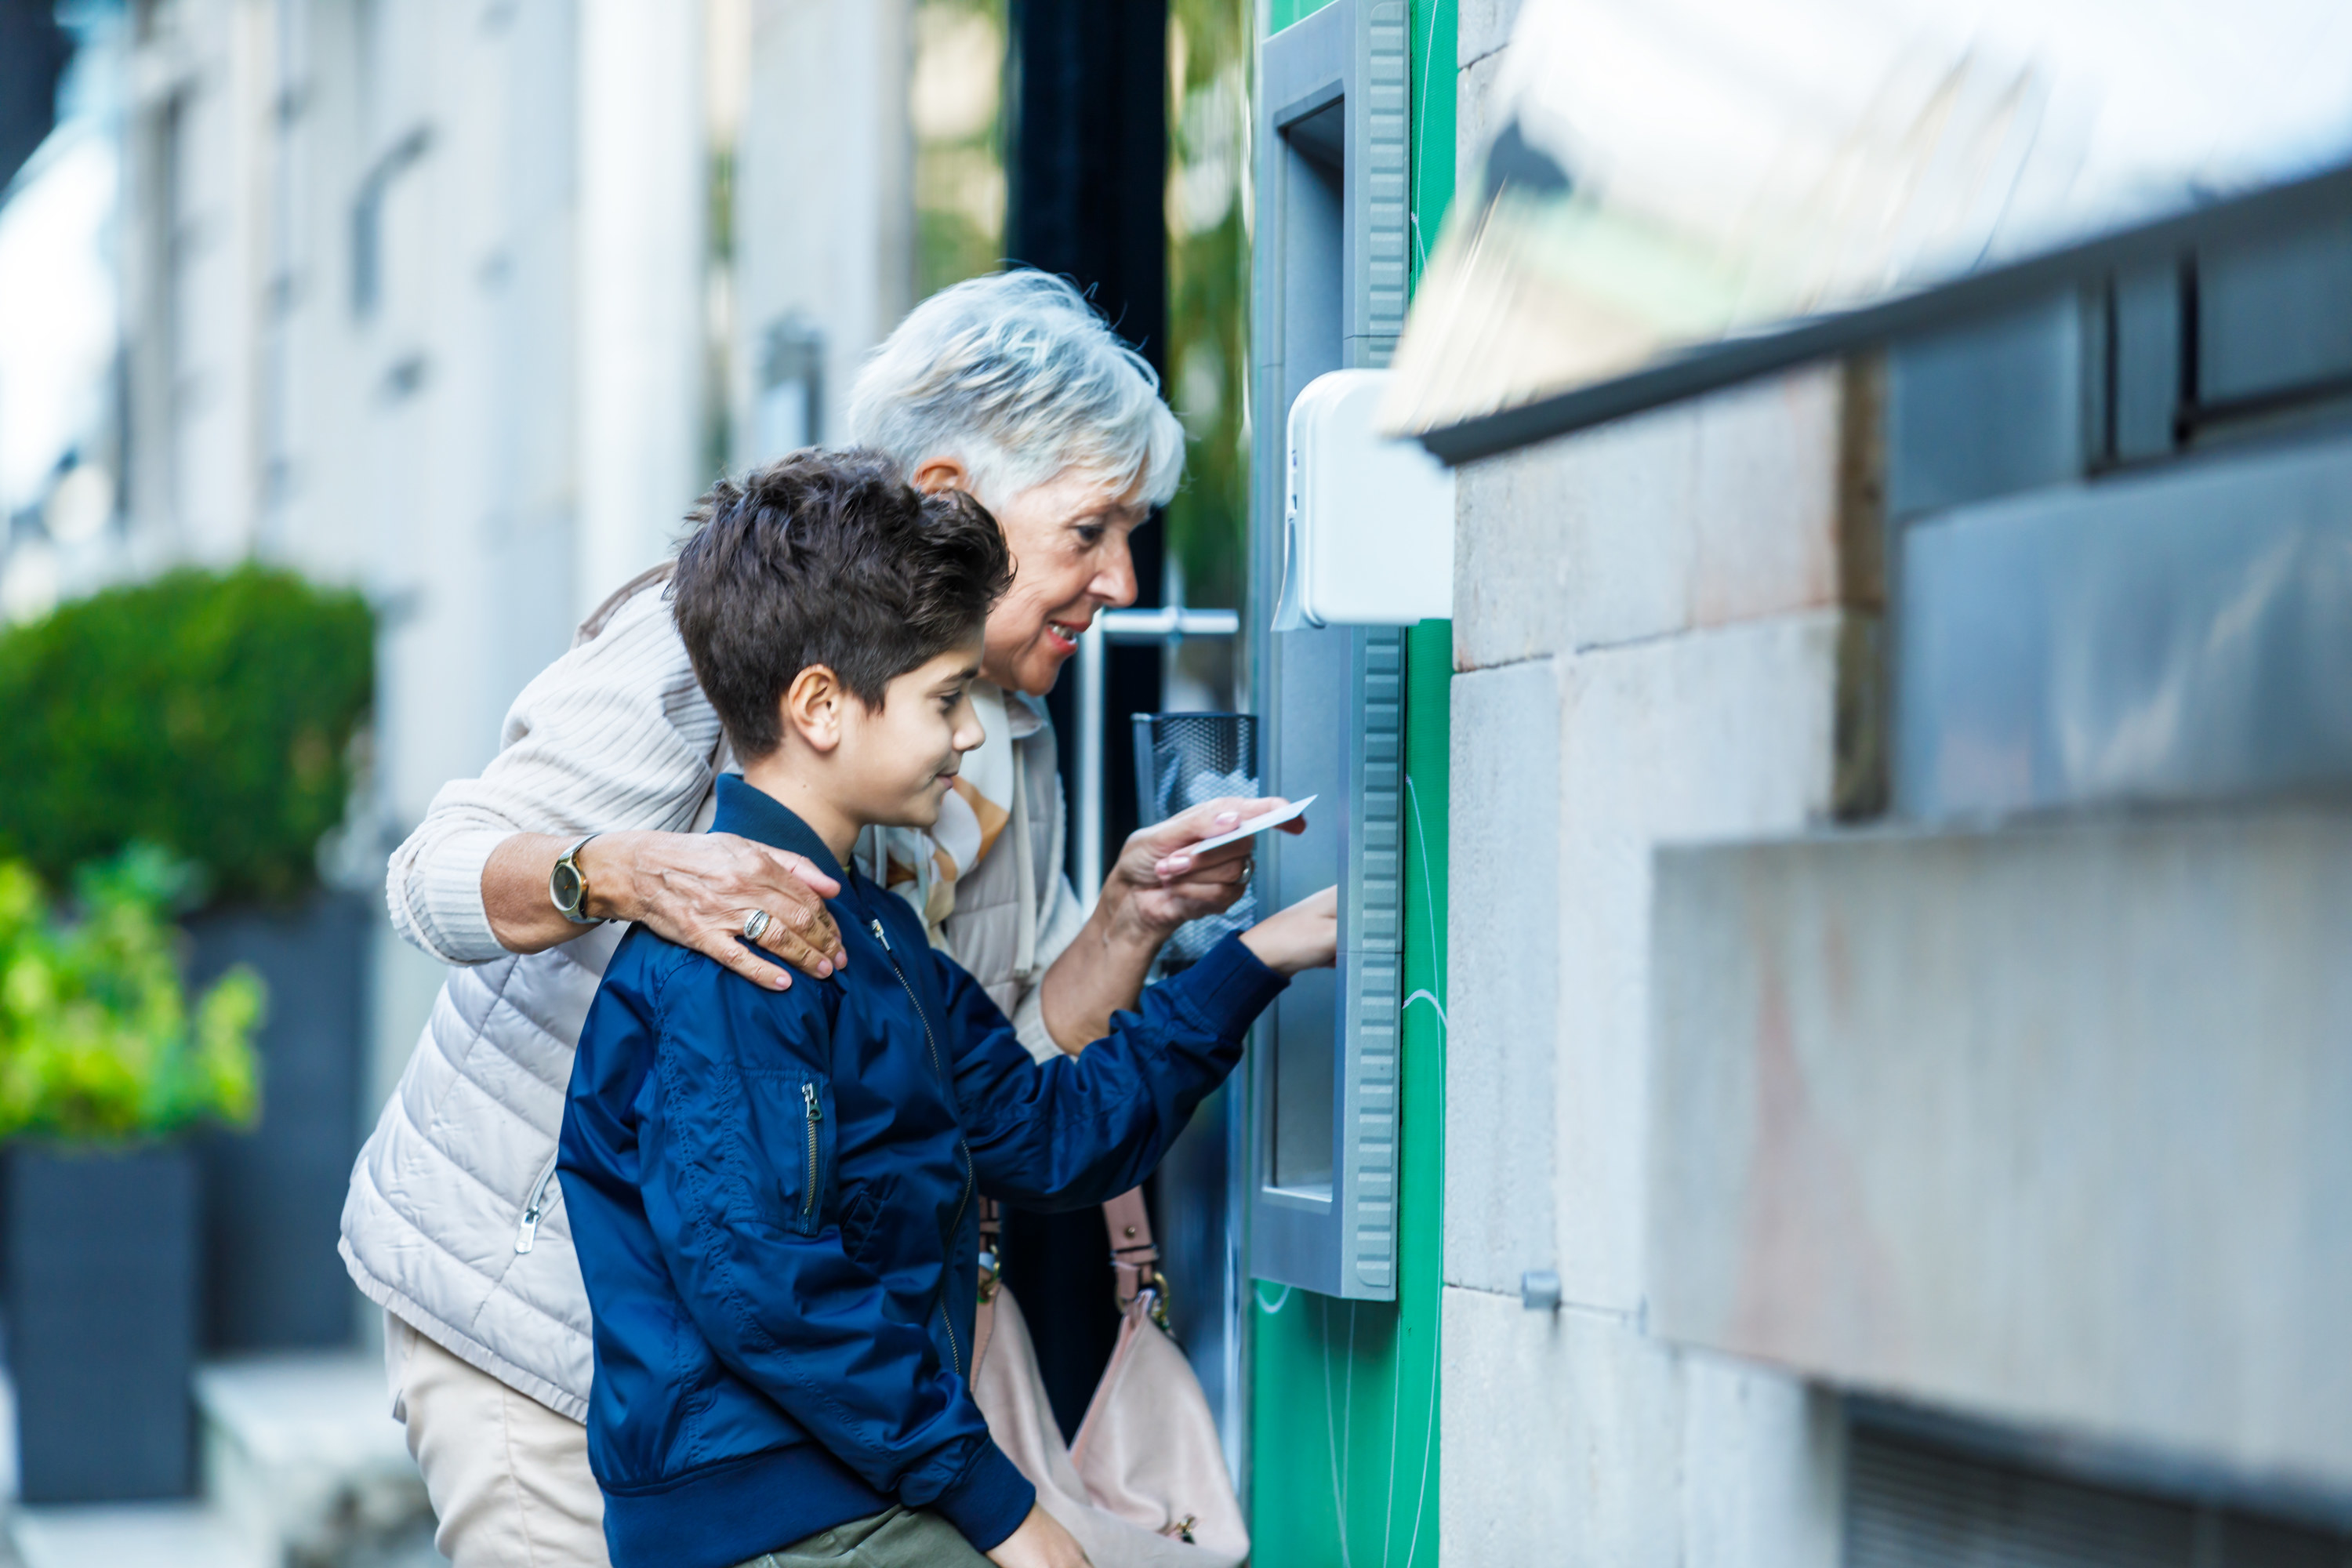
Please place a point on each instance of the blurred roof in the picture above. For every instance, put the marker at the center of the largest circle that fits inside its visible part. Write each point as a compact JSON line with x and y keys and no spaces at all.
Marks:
{"x":1684,"y":192}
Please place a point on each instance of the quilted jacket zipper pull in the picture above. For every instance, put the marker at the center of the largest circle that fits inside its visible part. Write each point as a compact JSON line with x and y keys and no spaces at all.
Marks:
{"x":527,"y":1233}
{"x":879,"y":935}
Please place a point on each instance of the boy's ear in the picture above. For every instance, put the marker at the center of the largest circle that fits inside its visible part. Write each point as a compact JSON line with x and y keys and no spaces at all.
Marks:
{"x":934,"y":475}
{"x":812,"y":707}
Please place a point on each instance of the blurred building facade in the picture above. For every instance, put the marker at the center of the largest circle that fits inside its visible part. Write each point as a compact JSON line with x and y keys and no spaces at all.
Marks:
{"x":465,"y":302}
{"x":1900,"y":940}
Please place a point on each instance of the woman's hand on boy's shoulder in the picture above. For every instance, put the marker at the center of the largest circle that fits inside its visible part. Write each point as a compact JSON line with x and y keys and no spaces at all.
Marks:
{"x":1304,"y":936}
{"x":697,"y":890}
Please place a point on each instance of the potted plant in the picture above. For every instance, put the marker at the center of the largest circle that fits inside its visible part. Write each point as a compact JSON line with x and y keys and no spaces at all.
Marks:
{"x":105,"y":1066}
{"x":220,"y":714}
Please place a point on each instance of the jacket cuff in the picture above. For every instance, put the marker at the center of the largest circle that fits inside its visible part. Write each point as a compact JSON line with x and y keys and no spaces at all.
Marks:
{"x":990,"y":1499}
{"x":435,"y":895}
{"x":1228,"y":988}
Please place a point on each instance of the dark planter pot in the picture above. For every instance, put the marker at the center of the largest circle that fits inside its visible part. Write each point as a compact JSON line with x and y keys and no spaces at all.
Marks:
{"x":102,"y":1320}
{"x":273,"y":1196}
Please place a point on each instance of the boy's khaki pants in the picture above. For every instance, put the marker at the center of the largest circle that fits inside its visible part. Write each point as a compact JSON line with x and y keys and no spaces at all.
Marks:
{"x":895,"y":1538}
{"x":509,"y":1478}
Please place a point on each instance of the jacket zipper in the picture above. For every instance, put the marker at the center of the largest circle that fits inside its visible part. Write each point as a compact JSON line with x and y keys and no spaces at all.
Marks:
{"x":955,"y":1349}
{"x":816,"y":1115}
{"x":527,"y":1233}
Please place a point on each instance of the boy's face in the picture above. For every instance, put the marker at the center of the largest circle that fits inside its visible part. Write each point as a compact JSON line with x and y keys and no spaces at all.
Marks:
{"x":900,"y":758}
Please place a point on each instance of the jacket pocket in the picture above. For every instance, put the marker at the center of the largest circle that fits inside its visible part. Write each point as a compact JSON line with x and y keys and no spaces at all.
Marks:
{"x":793,"y":1119}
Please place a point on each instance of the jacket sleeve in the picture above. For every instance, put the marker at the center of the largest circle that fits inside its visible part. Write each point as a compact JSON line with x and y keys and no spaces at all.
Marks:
{"x":616,"y":735}
{"x":794,"y":1315}
{"x":1075,"y":1131}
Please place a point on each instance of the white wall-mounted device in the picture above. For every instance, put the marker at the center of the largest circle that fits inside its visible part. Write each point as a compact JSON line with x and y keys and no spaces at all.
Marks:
{"x":1368,"y":520}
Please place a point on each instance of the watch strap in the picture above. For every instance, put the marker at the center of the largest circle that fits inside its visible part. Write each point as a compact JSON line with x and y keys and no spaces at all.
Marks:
{"x":569,"y":859}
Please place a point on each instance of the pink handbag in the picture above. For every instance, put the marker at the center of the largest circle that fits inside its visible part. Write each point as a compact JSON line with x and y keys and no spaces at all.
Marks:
{"x":1145,"y":1484}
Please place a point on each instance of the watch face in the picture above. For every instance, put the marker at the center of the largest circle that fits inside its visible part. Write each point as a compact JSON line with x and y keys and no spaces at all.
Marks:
{"x":566,"y":885}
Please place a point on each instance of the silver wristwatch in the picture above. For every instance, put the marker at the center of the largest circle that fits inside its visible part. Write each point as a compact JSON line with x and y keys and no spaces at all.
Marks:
{"x":568,"y":886}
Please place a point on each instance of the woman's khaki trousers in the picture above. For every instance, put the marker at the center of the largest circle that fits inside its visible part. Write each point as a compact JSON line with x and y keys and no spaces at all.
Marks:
{"x":509,"y":1478}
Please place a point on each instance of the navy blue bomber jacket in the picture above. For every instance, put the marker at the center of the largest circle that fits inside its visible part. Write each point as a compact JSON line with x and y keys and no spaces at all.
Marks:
{"x":773,"y":1197}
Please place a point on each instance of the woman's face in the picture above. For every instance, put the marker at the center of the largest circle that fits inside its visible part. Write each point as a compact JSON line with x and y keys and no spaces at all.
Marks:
{"x":1068,"y":539}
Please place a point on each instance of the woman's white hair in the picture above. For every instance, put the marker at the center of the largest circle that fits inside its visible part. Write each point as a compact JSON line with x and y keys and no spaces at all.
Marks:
{"x":1017,"y":375}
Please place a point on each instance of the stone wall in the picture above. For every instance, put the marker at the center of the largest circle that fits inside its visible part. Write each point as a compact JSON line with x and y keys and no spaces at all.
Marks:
{"x":1649,"y":629}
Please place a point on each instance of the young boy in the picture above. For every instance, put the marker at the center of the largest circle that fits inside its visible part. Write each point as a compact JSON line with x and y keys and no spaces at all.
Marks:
{"x":774,"y":1195}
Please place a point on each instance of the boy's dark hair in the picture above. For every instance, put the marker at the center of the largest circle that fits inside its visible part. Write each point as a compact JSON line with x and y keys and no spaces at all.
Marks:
{"x":827,"y":558}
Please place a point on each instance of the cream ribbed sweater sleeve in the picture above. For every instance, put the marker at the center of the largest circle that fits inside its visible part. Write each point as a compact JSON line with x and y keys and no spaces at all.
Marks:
{"x":616,"y":735}
{"x":1065,"y":917}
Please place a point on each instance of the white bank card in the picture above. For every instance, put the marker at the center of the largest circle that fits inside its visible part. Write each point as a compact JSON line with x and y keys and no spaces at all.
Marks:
{"x":1254,"y":825}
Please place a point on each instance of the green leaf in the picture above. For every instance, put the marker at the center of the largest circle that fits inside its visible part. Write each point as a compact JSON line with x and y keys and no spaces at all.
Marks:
{"x":96,"y":1039}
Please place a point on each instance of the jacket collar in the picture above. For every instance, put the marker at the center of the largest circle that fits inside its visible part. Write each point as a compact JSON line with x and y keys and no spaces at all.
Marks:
{"x":747,"y":810}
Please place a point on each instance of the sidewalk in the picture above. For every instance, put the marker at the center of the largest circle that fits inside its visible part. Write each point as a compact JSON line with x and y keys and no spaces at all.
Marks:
{"x":302,"y":1467}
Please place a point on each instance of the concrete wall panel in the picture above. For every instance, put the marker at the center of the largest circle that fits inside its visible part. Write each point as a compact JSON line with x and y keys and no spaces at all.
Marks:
{"x":1762,"y":1464}
{"x":1485,"y":27}
{"x":1591,"y":1444}
{"x":2046,"y":1124}
{"x":1475,"y":107}
{"x":1562,"y":1434}
{"x":1712,"y":735}
{"x":1721,"y":510}
{"x":1503,"y":840}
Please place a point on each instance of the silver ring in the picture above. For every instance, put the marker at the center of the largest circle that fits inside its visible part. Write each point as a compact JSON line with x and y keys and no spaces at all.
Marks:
{"x":755,"y":924}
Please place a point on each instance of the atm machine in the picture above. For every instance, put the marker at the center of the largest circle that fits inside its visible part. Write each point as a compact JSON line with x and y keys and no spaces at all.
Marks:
{"x":1291,"y":1181}
{"x":1332,"y":271}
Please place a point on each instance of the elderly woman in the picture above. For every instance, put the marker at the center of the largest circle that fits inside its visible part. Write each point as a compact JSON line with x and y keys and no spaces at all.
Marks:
{"x":1008,"y":386}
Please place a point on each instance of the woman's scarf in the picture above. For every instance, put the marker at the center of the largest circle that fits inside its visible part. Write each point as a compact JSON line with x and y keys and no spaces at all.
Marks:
{"x":922,"y":865}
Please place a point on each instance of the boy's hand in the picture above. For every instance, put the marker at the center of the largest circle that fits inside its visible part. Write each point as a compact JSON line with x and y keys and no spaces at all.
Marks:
{"x":1040,"y":1542}
{"x":1304,"y":936}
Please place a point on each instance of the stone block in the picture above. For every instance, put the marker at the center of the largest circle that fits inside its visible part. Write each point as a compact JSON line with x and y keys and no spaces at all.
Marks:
{"x":1562,"y":1437}
{"x":1485,"y":27}
{"x":2044,"y":1125}
{"x":303,"y":1461}
{"x":1503,"y":944}
{"x":1765,"y":497}
{"x":1477,"y":108}
{"x":1717,"y":734}
{"x":113,"y":1535}
{"x":1706,"y":513}
{"x":1763,"y":1463}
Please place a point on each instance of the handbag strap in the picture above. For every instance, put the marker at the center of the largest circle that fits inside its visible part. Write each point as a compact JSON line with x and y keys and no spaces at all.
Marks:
{"x":1134,"y":1254}
{"x":1134,"y":1262}
{"x":983,"y":1320}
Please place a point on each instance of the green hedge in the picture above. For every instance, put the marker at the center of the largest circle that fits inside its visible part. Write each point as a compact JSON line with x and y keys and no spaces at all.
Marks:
{"x":208,"y":713}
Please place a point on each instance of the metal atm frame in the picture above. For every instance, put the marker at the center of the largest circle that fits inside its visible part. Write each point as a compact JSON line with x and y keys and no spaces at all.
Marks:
{"x":1331,"y":277}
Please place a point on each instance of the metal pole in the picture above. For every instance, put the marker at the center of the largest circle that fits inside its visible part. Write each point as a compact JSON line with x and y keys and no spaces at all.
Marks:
{"x":1090,"y":764}
{"x":1168,"y":625}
